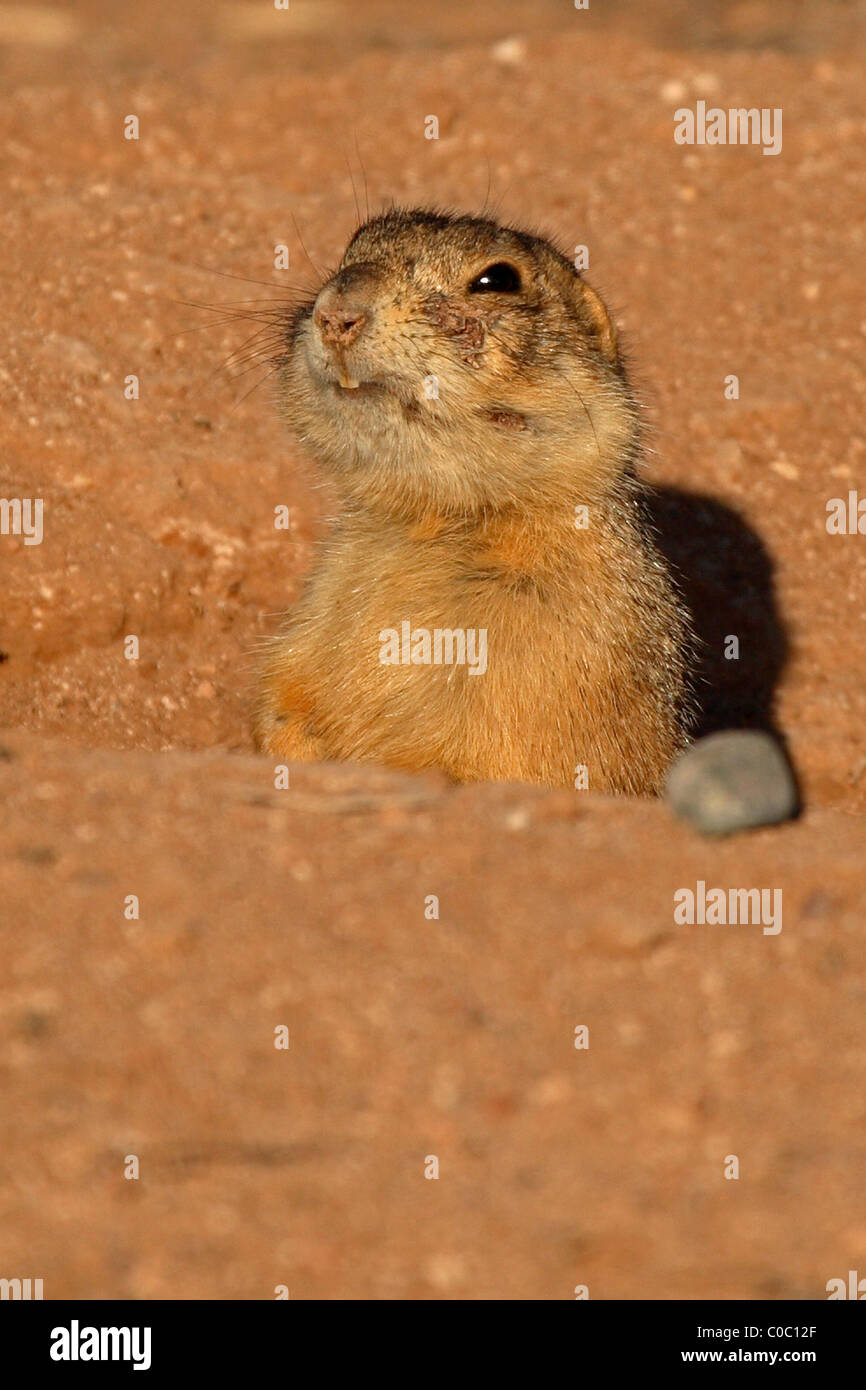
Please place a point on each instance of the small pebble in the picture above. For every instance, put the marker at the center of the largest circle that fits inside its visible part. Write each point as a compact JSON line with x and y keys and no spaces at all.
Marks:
{"x":785,"y":469}
{"x":509,"y":51}
{"x":734,"y":780}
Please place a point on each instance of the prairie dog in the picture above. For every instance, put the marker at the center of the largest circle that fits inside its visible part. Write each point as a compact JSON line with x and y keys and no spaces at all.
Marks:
{"x":463,"y":387}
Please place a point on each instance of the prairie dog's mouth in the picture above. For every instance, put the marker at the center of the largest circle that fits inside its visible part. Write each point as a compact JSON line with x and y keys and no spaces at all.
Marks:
{"x":349,"y":383}
{"x":345,"y":387}
{"x":335,"y":374}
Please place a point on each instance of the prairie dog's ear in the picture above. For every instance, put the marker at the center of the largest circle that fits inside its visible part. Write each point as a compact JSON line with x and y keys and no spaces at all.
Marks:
{"x":597,"y":321}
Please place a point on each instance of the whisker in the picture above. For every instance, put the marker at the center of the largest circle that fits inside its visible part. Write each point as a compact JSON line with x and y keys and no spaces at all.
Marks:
{"x":228,"y":275}
{"x":354,"y":189}
{"x":235,"y":357}
{"x":272,"y":299}
{"x":586,"y":412}
{"x":263,"y":352}
{"x":230,"y":315}
{"x":319,"y":273}
{"x":239,"y":403}
{"x":364,"y":172}
{"x":205,"y":327}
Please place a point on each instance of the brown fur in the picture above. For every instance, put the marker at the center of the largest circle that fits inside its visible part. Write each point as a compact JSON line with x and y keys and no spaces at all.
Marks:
{"x":458,"y":513}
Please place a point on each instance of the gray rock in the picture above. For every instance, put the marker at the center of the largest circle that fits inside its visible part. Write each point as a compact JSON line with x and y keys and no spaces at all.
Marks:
{"x":734,"y":780}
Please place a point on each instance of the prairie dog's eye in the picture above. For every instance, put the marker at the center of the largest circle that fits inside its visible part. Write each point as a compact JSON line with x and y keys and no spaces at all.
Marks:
{"x":500,"y":278}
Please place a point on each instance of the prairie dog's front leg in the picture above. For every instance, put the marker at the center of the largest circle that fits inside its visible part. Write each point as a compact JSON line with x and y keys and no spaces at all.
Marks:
{"x":283,"y":724}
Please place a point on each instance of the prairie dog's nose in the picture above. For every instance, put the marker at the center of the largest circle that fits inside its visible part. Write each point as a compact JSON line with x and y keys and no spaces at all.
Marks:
{"x":338,"y":327}
{"x":345,"y":306}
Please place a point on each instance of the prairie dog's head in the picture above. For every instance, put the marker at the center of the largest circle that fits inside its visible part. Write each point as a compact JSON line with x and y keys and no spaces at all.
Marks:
{"x":455,"y":364}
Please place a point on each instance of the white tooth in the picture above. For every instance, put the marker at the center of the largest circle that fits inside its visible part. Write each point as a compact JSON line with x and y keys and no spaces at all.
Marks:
{"x":348,"y":382}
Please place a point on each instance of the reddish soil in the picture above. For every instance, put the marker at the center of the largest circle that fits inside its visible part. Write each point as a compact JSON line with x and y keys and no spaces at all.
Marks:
{"x":259,"y":908}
